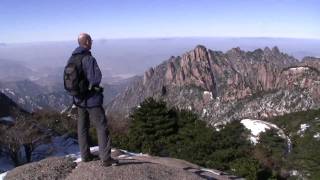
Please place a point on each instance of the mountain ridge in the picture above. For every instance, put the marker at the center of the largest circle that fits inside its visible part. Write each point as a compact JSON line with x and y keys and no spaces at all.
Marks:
{"x":204,"y":80}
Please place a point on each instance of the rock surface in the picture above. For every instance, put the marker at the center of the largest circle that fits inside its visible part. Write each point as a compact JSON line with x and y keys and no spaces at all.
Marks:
{"x":51,"y":168}
{"x":130,"y":167}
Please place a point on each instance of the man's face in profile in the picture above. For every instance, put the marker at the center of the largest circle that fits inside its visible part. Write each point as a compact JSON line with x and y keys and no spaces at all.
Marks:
{"x":89,"y":43}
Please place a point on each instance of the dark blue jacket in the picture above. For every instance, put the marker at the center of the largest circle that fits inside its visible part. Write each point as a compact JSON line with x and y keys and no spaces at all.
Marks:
{"x":93,"y":74}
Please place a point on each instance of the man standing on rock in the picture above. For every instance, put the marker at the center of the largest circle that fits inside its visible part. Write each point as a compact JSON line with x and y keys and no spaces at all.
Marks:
{"x":82,"y":77}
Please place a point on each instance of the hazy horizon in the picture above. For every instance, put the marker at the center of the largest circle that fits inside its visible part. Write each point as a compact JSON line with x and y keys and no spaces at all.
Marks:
{"x":37,"y":20}
{"x":126,"y":57}
{"x":154,"y":38}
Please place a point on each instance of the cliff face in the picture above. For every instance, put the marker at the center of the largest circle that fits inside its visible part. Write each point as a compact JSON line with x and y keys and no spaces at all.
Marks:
{"x":227,"y":86}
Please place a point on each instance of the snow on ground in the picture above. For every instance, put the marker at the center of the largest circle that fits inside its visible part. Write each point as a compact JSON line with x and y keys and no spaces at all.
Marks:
{"x":95,"y":151}
{"x":7,"y":120}
{"x":258,"y":126}
{"x":317,"y":136}
{"x":3,"y":175}
{"x":129,"y":155}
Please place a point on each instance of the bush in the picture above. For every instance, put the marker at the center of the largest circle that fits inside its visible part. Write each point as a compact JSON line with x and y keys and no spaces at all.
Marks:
{"x":271,"y":152}
{"x":305,"y":156}
{"x":25,"y":133}
{"x":246,"y":167}
{"x":59,"y":123}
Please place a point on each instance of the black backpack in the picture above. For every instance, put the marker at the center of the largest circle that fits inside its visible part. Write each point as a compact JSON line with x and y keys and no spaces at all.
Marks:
{"x":75,"y":81}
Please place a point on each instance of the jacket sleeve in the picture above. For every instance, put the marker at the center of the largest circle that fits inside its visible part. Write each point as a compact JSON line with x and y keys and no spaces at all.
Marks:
{"x":92,"y":71}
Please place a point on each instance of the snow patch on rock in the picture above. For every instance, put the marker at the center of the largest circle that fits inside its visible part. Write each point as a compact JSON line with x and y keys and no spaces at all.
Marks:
{"x":208,"y":93}
{"x":258,"y":126}
{"x":299,"y":69}
{"x":303,"y":128}
{"x":9,"y":91}
{"x":204,"y":112}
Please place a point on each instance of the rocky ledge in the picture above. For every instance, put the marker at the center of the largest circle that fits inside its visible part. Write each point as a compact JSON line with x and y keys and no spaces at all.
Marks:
{"x":131,"y":166}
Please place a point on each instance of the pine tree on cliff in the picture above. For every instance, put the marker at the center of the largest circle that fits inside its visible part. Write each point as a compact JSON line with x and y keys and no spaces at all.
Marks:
{"x":152,"y":126}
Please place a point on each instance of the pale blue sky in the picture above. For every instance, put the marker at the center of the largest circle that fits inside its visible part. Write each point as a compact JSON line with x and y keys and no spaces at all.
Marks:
{"x":48,"y":20}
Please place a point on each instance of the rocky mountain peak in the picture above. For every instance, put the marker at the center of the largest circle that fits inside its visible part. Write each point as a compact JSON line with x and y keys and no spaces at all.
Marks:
{"x":275,"y":56}
{"x":275,"y":50}
{"x":267,"y":50}
{"x":198,"y":54}
{"x":235,"y":51}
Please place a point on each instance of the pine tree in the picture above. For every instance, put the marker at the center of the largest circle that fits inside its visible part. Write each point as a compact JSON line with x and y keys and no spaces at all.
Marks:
{"x":153,"y":124}
{"x":193,"y":140}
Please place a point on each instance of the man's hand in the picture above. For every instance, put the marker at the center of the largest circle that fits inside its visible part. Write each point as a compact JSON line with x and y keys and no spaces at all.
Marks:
{"x":98,"y":89}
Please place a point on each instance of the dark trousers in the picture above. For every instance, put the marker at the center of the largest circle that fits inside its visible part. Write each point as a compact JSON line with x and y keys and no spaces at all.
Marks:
{"x":97,"y":116}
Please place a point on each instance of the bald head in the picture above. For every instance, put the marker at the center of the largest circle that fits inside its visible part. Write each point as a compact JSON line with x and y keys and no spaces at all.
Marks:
{"x":85,"y":40}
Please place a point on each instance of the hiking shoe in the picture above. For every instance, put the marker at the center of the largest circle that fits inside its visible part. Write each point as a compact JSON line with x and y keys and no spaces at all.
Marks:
{"x":91,"y":157}
{"x":110,"y":162}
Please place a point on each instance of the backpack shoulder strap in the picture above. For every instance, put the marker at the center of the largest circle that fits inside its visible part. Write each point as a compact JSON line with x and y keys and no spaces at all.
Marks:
{"x":78,"y":58}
